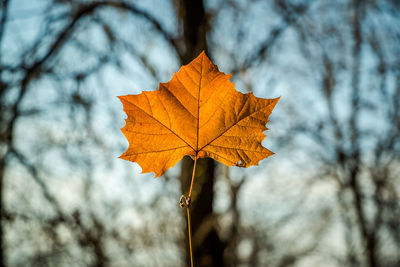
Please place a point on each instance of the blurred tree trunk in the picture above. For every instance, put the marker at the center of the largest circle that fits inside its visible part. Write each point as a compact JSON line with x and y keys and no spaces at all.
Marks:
{"x":4,"y":137}
{"x":208,"y":247}
{"x":2,"y":172}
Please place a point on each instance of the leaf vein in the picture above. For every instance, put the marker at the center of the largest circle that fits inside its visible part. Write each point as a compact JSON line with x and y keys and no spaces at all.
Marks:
{"x":227,"y":129}
{"x":180,"y":103}
{"x":235,"y":148}
{"x":156,"y":151}
{"x":151,"y":116}
{"x":136,"y":132}
{"x":179,"y":80}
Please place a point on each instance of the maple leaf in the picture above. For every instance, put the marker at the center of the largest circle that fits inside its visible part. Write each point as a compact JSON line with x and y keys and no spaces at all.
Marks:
{"x":198,"y":113}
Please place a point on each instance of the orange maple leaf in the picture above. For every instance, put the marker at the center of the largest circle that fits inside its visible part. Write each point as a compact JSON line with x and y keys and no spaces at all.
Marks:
{"x":198,"y":113}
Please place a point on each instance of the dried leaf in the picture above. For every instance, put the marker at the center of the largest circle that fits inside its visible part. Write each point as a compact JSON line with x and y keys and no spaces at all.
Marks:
{"x":198,"y":113}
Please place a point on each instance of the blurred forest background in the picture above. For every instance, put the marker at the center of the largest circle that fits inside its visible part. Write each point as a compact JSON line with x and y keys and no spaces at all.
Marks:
{"x":329,"y":197}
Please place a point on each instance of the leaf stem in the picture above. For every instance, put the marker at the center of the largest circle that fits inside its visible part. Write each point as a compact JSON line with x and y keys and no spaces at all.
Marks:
{"x":190,"y":236}
{"x":188,"y":202}
{"x":191,"y":185}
